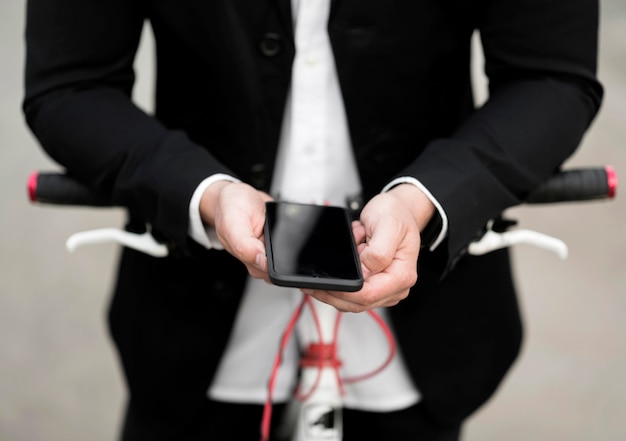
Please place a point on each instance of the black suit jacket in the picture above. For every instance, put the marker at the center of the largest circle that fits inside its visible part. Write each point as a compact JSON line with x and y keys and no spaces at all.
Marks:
{"x":223,"y":71}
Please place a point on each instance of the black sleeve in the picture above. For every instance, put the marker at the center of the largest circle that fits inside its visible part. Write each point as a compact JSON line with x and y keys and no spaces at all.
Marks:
{"x":78,"y":83}
{"x":540,"y":59}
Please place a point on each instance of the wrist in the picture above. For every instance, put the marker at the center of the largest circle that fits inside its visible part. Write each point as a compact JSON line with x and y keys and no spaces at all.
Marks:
{"x":209,"y":201}
{"x":417,"y":202}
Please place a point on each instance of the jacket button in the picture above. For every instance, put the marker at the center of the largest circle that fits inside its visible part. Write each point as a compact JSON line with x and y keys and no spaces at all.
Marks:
{"x":258,"y":175}
{"x":270,"y":45}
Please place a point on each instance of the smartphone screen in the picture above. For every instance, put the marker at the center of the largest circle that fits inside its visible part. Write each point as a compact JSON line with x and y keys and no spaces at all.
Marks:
{"x":311,"y":246}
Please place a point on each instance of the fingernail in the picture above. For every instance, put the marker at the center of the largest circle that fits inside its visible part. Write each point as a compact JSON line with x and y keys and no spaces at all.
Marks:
{"x":258,"y":261}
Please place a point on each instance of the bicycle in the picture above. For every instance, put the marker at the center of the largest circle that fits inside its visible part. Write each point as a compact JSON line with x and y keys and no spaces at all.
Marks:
{"x":319,"y":413}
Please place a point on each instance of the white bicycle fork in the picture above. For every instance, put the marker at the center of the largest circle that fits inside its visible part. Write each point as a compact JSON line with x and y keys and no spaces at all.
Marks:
{"x":320,"y":412}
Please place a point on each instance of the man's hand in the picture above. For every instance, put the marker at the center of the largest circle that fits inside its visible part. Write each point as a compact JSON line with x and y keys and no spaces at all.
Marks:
{"x":388,"y":241}
{"x":237,"y":211}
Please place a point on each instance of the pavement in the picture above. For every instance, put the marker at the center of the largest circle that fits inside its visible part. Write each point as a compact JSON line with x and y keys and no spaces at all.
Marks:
{"x":59,"y":376}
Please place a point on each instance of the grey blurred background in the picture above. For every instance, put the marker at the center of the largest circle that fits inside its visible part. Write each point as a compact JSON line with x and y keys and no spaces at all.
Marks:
{"x":59,"y":377}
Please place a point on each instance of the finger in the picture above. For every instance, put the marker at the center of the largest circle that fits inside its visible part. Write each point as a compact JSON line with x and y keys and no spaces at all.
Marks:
{"x":389,"y":287}
{"x":337,"y":300}
{"x":244,"y":241}
{"x":380,"y":290}
{"x":358,"y":231}
{"x":251,"y":253}
{"x":381,"y":245}
{"x":356,"y":302}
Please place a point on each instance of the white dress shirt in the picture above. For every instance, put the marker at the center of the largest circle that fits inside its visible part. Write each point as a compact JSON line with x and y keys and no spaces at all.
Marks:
{"x":315,"y":164}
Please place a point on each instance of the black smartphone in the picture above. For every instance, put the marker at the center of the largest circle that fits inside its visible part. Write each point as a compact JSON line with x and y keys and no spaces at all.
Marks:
{"x":311,"y":246}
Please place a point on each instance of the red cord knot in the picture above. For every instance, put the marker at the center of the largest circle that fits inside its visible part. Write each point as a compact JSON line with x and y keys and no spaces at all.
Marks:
{"x":320,"y":355}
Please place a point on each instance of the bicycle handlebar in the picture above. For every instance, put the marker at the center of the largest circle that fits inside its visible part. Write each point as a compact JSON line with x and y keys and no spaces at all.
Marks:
{"x":583,"y":184}
{"x":575,"y":185}
{"x":61,"y":189}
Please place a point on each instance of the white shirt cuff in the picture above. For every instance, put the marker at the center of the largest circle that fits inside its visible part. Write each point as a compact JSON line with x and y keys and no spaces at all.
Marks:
{"x":200,"y":232}
{"x":444,"y":219}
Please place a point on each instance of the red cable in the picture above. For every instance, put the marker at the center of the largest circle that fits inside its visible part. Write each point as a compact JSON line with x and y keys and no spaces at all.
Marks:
{"x":320,"y":355}
{"x":392,"y":350}
{"x":267,"y":410}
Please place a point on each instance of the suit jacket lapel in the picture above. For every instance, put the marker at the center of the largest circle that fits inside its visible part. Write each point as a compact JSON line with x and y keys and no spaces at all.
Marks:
{"x":333,"y":7}
{"x":284,"y":12}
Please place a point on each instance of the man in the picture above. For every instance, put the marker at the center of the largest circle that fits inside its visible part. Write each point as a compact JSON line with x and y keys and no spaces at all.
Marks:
{"x":396,"y":108}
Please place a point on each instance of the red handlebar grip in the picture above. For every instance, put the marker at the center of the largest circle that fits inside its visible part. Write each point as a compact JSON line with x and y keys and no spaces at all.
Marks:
{"x":611,"y":178}
{"x":32,"y":186}
{"x":61,"y":189}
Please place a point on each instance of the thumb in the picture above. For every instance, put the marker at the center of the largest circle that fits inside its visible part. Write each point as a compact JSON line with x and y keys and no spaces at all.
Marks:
{"x":377,"y":253}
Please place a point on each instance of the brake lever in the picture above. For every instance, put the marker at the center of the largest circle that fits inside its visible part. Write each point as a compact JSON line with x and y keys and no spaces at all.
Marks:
{"x":493,"y":240}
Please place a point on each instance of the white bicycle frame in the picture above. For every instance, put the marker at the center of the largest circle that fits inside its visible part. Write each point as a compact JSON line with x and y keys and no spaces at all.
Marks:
{"x":319,"y":415}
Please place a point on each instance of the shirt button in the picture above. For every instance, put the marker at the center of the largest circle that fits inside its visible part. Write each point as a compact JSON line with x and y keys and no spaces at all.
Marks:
{"x":270,"y":45}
